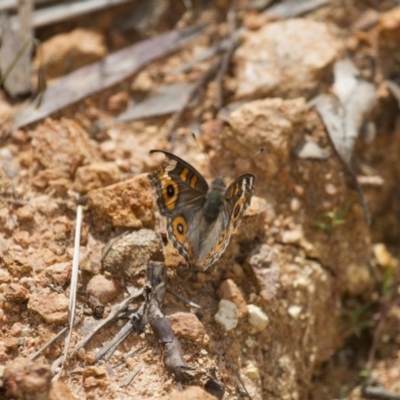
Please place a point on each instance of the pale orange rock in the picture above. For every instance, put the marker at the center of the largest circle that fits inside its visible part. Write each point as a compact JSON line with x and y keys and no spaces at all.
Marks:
{"x":127,"y":204}
{"x":52,"y":307}
{"x":16,"y":293}
{"x":60,"y":391}
{"x":191,"y":393}
{"x":228,"y":290}
{"x":188,"y":326}
{"x":67,"y":52}
{"x":96,"y":175}
{"x":102,"y":288}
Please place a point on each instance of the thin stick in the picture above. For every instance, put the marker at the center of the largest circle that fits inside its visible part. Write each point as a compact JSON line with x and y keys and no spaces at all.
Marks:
{"x":129,"y":378}
{"x":47,"y":344}
{"x":207,"y":76}
{"x":74,"y":286}
{"x":116,"y":310}
{"x":379,"y":393}
{"x":184,"y":299}
{"x":226,"y":58}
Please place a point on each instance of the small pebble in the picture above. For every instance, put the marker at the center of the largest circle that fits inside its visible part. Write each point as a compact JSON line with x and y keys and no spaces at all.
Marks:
{"x":227,"y":315}
{"x":257,"y":318}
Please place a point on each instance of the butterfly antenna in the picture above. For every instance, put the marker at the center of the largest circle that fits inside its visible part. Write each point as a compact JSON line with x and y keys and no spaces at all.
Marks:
{"x":260,"y":150}
{"x":204,"y":154}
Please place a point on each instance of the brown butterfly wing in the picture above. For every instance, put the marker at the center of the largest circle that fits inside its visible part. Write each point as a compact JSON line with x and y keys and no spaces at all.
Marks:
{"x":216,"y":238}
{"x":181,"y":194}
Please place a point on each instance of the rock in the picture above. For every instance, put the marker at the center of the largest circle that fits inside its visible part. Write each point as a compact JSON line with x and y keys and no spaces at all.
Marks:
{"x":59,"y":273}
{"x":59,"y":391}
{"x":188,"y":326}
{"x":129,"y":254}
{"x":67,"y":52}
{"x":25,"y":214}
{"x":228,"y":290}
{"x":11,"y":343}
{"x":16,"y":293}
{"x":94,"y":377}
{"x":96,"y":175}
{"x":52,"y":307}
{"x":191,"y":393}
{"x":227,"y":315}
{"x":283,"y":59}
{"x":25,"y":379}
{"x":118,"y":102}
{"x":5,"y":276}
{"x":264,"y":264}
{"x":102,"y":288}
{"x":128,"y":204}
{"x":294,"y":311}
{"x":357,"y":279}
{"x":383,"y":256}
{"x":61,"y":147}
{"x":257,"y":318}
{"x":22,"y":238}
{"x":268,"y":123}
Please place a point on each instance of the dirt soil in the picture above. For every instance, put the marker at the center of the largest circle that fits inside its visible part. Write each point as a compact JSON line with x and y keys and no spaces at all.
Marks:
{"x":303,"y":304}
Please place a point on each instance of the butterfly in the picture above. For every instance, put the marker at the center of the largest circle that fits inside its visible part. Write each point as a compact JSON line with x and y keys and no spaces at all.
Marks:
{"x":199,"y":218}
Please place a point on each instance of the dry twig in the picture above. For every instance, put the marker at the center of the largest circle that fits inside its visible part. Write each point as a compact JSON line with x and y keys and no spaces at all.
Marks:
{"x":379,"y":393}
{"x":161,"y":326}
{"x":226,"y":58}
{"x":204,"y":79}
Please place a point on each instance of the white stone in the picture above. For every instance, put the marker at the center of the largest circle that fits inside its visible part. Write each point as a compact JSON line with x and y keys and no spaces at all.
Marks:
{"x":257,"y":318}
{"x":294,"y":311}
{"x":227,"y":315}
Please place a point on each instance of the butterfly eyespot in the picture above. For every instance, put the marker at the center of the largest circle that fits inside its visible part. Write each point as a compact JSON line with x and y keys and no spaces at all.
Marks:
{"x":170,"y":191}
{"x":179,"y":228}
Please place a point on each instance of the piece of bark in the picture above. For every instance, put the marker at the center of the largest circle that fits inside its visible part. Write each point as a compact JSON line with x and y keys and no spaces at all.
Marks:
{"x":105,"y":73}
{"x":155,"y":294}
{"x":15,"y":51}
{"x":294,"y":8}
{"x":67,"y":10}
{"x":13,"y":4}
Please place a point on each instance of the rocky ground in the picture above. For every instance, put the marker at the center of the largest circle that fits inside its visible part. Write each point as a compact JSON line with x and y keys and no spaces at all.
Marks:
{"x":304,"y":302}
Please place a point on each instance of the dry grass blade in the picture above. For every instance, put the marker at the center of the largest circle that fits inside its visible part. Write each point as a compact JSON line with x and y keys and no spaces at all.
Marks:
{"x":73,"y":286}
{"x":104,"y":74}
{"x":47,"y":344}
{"x":116,"y":310}
{"x":126,"y":330}
{"x":132,"y":375}
{"x":184,"y":299}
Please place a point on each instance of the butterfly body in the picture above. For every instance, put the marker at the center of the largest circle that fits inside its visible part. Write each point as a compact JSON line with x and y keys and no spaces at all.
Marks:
{"x":199,"y":218}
